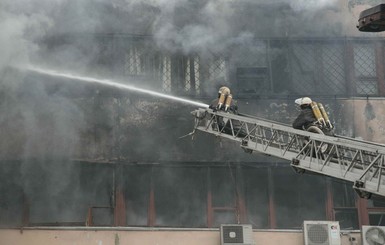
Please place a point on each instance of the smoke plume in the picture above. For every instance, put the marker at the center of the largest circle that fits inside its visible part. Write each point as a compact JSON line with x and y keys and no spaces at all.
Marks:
{"x":188,"y":26}
{"x":40,"y":123}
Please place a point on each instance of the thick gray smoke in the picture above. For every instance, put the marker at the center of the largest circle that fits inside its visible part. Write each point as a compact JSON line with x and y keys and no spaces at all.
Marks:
{"x":177,"y":25}
{"x":36,"y":123}
{"x":201,"y":26}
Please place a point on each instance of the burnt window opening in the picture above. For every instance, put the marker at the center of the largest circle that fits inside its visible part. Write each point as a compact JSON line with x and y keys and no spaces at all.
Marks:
{"x":344,"y":205}
{"x":298,"y":197}
{"x":376,"y":211}
{"x":179,"y":196}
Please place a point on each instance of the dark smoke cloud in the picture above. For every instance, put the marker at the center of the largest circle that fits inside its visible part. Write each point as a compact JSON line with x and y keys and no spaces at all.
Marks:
{"x":201,"y":26}
{"x":34,"y":123}
{"x":38,"y":124}
{"x":182,"y":25}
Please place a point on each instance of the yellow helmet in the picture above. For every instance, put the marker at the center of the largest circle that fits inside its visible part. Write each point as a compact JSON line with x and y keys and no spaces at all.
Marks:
{"x":224,"y":90}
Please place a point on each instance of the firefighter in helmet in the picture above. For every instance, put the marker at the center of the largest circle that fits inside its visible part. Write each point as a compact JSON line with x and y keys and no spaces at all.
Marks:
{"x":224,"y":101}
{"x":306,"y":116}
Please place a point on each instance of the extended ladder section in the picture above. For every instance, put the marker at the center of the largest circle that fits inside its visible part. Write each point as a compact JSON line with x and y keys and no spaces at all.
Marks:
{"x":353,"y":160}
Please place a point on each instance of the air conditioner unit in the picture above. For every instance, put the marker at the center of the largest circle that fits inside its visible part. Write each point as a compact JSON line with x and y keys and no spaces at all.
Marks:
{"x":235,"y":234}
{"x":321,"y":233}
{"x":372,"y":19}
{"x":373,"y":235}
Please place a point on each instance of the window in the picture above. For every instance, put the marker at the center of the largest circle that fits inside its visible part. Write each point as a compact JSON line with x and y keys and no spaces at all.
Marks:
{"x":223,"y":190}
{"x":376,"y":211}
{"x":180,"y":196}
{"x":345,"y":210}
{"x":136,"y":186}
{"x":256,"y":195}
{"x":298,"y":197}
{"x":365,"y":69}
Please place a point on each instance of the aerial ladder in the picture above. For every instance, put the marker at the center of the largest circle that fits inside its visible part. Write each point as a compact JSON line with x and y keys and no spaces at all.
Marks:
{"x":349,"y":159}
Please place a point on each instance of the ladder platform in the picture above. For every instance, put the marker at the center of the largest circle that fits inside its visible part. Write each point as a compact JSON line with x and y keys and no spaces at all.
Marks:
{"x":357,"y":161}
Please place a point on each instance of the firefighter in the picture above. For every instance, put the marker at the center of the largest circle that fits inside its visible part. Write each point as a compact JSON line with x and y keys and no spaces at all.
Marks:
{"x":306,"y":117}
{"x":224,"y":101}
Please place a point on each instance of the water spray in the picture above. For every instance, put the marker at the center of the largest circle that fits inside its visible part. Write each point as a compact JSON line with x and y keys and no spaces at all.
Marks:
{"x":113,"y":84}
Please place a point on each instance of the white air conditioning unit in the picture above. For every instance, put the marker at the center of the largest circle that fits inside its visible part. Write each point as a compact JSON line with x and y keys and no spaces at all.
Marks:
{"x":321,"y":233}
{"x":235,"y":234}
{"x":373,"y":235}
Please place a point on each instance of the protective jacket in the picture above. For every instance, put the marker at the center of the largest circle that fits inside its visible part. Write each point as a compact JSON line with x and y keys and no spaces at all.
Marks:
{"x":304,"y":119}
{"x":224,"y":125}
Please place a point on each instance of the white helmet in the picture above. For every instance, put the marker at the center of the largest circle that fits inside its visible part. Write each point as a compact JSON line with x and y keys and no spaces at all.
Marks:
{"x":303,"y":101}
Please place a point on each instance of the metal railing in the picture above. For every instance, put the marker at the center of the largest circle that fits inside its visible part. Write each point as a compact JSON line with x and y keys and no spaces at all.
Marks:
{"x":353,"y":160}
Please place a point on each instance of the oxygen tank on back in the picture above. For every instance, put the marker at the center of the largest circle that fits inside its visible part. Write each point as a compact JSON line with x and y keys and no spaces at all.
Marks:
{"x":224,"y":92}
{"x":221,"y":100}
{"x":317,"y":113}
{"x":228,"y":101}
{"x":325,"y":115}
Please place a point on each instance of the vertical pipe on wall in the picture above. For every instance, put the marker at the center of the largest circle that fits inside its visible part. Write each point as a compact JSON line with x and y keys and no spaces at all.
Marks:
{"x":120,"y":208}
{"x":26,"y":206}
{"x":119,"y":201}
{"x":349,"y":68}
{"x":362,"y":208}
{"x":209,"y":201}
{"x":379,"y":58}
{"x":318,"y":72}
{"x":329,"y":200}
{"x":272,"y":217}
{"x":268,"y":58}
{"x":151,"y":214}
{"x":241,"y":206}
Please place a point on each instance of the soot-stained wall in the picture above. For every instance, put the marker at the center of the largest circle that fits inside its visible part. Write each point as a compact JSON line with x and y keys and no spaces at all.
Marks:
{"x":58,"y":182}
{"x":108,"y":124}
{"x":55,"y":131}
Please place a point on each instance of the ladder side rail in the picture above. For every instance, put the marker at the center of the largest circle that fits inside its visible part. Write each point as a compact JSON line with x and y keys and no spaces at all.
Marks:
{"x":265,"y":122}
{"x":370,"y":146}
{"x":269,"y":140}
{"x":348,"y":159}
{"x":307,"y":163}
{"x":375,"y":186}
{"x":266,"y":149}
{"x":369,"y":167}
{"x":381,"y":166}
{"x":351,"y":164}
